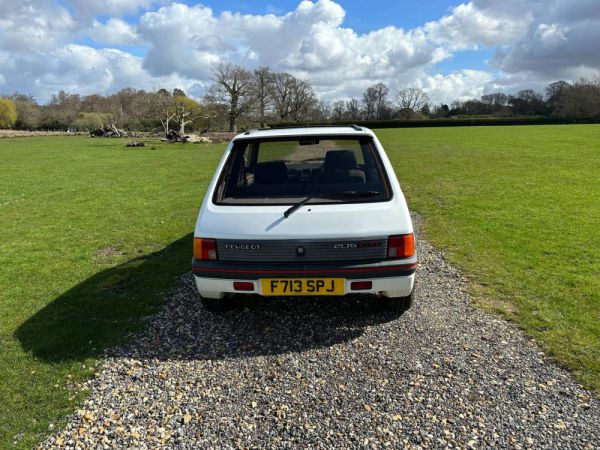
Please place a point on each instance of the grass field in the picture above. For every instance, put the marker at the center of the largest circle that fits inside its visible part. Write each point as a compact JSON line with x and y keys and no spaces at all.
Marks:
{"x":518,"y":209}
{"x":92,"y":233}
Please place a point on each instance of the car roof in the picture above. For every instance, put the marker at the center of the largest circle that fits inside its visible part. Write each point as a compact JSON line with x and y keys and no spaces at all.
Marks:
{"x":349,"y":130}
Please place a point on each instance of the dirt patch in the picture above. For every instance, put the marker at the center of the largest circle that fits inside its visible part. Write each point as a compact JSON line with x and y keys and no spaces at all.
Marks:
{"x":108,"y":252}
{"x":22,"y":133}
{"x":218,"y":137}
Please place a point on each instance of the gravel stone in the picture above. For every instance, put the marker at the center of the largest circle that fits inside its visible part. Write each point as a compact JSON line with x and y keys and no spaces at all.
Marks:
{"x":333,"y":372}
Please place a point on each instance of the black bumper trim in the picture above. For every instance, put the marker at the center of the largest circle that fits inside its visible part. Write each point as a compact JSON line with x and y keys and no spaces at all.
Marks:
{"x":236,"y":271}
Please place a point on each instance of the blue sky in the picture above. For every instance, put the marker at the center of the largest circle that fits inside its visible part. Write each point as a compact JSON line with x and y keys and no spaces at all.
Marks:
{"x":452,"y":49}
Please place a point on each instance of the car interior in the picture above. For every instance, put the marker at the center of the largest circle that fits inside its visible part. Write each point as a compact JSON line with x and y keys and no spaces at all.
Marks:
{"x":270,"y":171}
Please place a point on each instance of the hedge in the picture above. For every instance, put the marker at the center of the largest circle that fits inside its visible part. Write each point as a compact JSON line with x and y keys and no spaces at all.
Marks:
{"x":480,"y":121}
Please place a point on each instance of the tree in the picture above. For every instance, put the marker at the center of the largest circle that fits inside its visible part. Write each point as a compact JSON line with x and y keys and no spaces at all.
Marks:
{"x":91,"y":121}
{"x":186,"y":111}
{"x":281,"y":94}
{"x":158,"y":106}
{"x":232,"y":85}
{"x":8,"y":113}
{"x":353,"y":109}
{"x":554,"y":92}
{"x":261,"y":87}
{"x":62,"y":110}
{"x":29,"y":113}
{"x":582,"y":100}
{"x":411,"y":100}
{"x":338,"y":110}
{"x":303,"y":100}
{"x":375,"y":101}
{"x":293,"y":99}
{"x":527,"y":102}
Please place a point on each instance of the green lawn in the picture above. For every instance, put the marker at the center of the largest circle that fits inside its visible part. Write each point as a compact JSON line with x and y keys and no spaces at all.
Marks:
{"x":93,"y":232}
{"x":518,"y":209}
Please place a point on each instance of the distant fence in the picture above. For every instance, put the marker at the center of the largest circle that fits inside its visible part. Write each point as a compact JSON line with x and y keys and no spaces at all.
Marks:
{"x":462,"y":122}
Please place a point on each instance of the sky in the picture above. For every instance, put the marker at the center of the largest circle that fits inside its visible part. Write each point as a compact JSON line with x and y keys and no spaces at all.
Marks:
{"x":450,"y":49}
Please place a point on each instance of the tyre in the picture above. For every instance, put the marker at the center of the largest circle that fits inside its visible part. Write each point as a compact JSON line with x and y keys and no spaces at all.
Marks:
{"x":400,"y":304}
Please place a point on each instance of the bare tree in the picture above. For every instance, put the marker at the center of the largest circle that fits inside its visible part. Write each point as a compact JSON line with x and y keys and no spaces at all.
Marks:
{"x":338,"y":110}
{"x":554,"y":91}
{"x":281,"y":94}
{"x":303,"y":99}
{"x":581,"y":99}
{"x":186,"y":111}
{"x":411,"y":100}
{"x":375,"y":101}
{"x":156,"y":106}
{"x":232,"y":85}
{"x":353,"y":109}
{"x":292,"y":98}
{"x":261,"y":88}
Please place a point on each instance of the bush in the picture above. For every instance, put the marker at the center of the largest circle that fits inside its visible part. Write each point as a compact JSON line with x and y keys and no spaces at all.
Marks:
{"x":8,"y":113}
{"x":448,"y":122}
{"x":91,"y":121}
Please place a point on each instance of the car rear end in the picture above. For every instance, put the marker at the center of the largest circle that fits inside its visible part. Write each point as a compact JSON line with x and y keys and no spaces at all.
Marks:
{"x":310,"y":212}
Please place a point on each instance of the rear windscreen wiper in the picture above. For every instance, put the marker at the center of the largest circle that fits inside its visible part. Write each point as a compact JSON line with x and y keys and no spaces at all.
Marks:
{"x":296,"y":206}
{"x":344,"y":194}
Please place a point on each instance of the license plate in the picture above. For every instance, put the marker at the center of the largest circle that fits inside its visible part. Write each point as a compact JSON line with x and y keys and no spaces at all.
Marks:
{"x":303,"y":286}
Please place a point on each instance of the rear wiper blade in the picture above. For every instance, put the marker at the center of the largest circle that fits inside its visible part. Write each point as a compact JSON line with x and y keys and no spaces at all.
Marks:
{"x":288,"y":212}
{"x":344,"y":194}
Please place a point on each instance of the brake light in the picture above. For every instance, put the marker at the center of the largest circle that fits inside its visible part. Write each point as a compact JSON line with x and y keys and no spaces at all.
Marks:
{"x":401,"y":246}
{"x":205,"y":249}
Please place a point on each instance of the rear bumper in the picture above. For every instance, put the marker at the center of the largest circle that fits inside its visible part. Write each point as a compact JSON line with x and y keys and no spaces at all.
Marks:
{"x":215,"y":279}
{"x":256,"y":271}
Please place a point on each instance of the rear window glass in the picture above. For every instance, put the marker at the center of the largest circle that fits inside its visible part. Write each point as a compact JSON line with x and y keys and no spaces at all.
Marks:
{"x":332,"y":170}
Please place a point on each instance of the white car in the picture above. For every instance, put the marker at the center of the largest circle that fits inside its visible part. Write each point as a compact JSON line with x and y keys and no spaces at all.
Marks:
{"x":310,"y":211}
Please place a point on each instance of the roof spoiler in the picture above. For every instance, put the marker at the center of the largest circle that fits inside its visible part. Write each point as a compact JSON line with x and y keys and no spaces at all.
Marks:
{"x":353,"y":126}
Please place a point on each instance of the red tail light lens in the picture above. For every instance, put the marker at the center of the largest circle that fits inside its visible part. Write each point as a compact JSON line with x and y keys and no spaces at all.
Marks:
{"x":243,"y":286}
{"x":205,"y":249}
{"x":361,"y":285}
{"x":401,"y":246}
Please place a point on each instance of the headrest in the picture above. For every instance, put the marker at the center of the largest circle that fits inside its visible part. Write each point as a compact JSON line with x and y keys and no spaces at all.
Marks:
{"x":339,"y":160}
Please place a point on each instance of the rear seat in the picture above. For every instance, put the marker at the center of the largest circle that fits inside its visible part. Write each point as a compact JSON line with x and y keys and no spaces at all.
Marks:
{"x":340,"y":167}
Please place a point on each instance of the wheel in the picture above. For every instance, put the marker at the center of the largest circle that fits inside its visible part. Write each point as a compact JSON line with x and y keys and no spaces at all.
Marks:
{"x":217,"y":304}
{"x":400,"y":304}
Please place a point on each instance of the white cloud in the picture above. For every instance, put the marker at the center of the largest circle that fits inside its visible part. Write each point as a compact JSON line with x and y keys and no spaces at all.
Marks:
{"x":551,"y":35}
{"x":309,"y":41}
{"x":536,"y":41}
{"x":471,"y":27}
{"x":34,"y":25}
{"x":114,"y":8}
{"x":114,"y":32}
{"x":460,"y":85}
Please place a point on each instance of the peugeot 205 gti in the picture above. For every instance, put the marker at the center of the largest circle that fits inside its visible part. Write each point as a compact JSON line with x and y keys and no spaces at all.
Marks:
{"x":305,"y":212}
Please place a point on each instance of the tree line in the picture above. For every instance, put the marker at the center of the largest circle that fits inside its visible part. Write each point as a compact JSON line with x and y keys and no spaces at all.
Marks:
{"x":240,"y":98}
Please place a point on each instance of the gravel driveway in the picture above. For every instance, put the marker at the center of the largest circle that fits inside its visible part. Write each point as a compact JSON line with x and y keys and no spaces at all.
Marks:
{"x":334,"y":373}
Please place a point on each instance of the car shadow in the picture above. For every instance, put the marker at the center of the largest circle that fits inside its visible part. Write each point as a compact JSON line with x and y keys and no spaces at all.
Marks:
{"x":95,"y":316}
{"x":254,"y":326}
{"x":101,"y":310}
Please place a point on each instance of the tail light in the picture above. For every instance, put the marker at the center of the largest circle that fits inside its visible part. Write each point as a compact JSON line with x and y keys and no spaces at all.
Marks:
{"x":205,"y":249}
{"x":361,"y":285}
{"x":401,"y":246}
{"x":243,"y":285}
